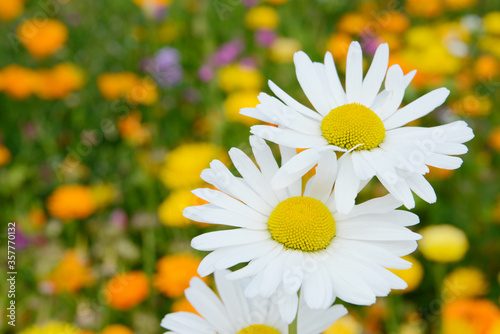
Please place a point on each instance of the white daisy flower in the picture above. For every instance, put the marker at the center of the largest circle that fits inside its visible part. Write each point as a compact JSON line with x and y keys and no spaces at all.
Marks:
{"x":297,"y":239}
{"x":362,"y":122}
{"x":233,"y":313}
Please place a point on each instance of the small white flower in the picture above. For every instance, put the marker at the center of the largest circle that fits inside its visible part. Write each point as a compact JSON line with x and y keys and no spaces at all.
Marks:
{"x":363,"y":123}
{"x":232,"y":313}
{"x":297,"y":239}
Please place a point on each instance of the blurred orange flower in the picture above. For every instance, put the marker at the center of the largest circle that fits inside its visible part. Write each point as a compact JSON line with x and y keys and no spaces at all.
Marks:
{"x":17,"y":81}
{"x":71,"y":202}
{"x":116,"y":329}
{"x":174,"y":273}
{"x":71,"y":274}
{"x":126,"y":290}
{"x":10,"y":9}
{"x":59,"y":81}
{"x":477,"y":314}
{"x":127,"y":85}
{"x":42,"y":37}
{"x":338,"y":44}
{"x":494,"y":139}
{"x":132,"y":130}
{"x":439,"y":173}
{"x":424,"y":8}
{"x":5,"y":155}
{"x":183,"y":305}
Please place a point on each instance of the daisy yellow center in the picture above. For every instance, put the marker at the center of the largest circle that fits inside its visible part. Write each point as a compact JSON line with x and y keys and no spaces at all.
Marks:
{"x":258,"y":329}
{"x":353,"y":124}
{"x":302,"y":223}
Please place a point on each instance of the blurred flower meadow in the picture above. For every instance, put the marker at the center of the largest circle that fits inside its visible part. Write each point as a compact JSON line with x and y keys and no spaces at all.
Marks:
{"x":109,"y":111}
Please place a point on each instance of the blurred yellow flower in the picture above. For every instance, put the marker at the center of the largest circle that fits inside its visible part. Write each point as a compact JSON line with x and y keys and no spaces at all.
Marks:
{"x":104,"y":194}
{"x":116,"y":329}
{"x":338,"y":44}
{"x":412,"y":276}
{"x":126,"y":290}
{"x":173,"y":273}
{"x":261,"y":17}
{"x":132,"y":130}
{"x":17,"y":81}
{"x":10,"y":9}
{"x":60,"y":81}
{"x":493,"y":139}
{"x":283,"y":49}
{"x":443,"y":243}
{"x":238,"y":77}
{"x":475,"y":316}
{"x":51,"y":327}
{"x":42,"y":37}
{"x":71,"y":274}
{"x":71,"y":202}
{"x":237,"y":100}
{"x":491,"y":23}
{"x":345,"y":325}
{"x":424,"y":8}
{"x":464,"y":282}
{"x":5,"y":155}
{"x":184,"y":164}
{"x":170,"y":210}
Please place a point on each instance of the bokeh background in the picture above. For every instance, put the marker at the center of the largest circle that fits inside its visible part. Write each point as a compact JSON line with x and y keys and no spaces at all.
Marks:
{"x":109,"y":110}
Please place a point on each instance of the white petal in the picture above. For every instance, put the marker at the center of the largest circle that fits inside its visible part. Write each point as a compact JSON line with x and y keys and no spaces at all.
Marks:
{"x":210,"y":214}
{"x":290,"y":138}
{"x":256,"y":113}
{"x":321,"y":71}
{"x":354,"y":73}
{"x":357,"y":230}
{"x":346,"y":185}
{"x":213,"y":240}
{"x":288,"y":304}
{"x":227,"y":202}
{"x":187,"y":323}
{"x":333,"y":79}
{"x":322,"y":184}
{"x":208,"y":305}
{"x":252,"y":174}
{"x":296,"y":167}
{"x":256,"y":265}
{"x":293,"y":103}
{"x":311,"y":83}
{"x":375,"y":75}
{"x":421,"y":187}
{"x":383,"y":204}
{"x":394,"y":85}
{"x":317,"y":322}
{"x":443,"y":161}
{"x":418,"y":108}
{"x":232,"y":296}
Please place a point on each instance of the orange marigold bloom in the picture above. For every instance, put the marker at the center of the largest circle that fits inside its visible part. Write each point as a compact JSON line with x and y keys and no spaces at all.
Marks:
{"x":17,"y":81}
{"x":10,"y":9}
{"x":42,"y":37}
{"x":338,"y":44}
{"x":353,"y":23}
{"x":493,"y":139}
{"x":479,"y":314}
{"x":60,"y":81}
{"x":5,"y":155}
{"x":424,"y":8}
{"x":71,"y":202}
{"x":183,"y":305}
{"x":124,"y":291}
{"x":486,"y":67}
{"x":71,"y":274}
{"x":439,"y":173}
{"x":174,"y":273}
{"x":116,"y":329}
{"x":127,"y":85}
{"x":132,"y":130}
